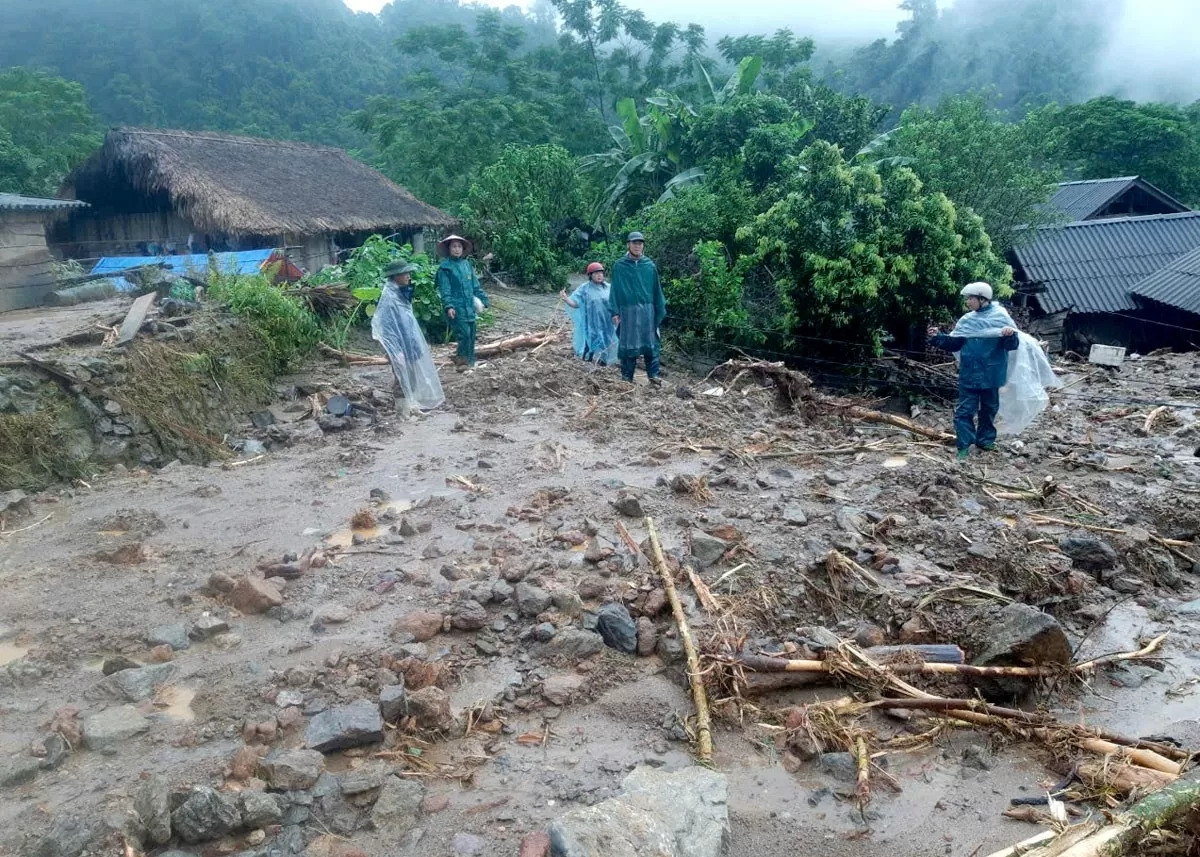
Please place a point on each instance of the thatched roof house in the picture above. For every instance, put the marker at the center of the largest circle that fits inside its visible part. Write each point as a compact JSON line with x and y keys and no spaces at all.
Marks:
{"x":194,"y":191}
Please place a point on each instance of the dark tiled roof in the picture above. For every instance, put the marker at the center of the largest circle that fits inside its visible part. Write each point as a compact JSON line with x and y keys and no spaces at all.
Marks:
{"x":1092,"y":266}
{"x":1082,"y":200}
{"x":1176,"y":285}
{"x":13,"y":202}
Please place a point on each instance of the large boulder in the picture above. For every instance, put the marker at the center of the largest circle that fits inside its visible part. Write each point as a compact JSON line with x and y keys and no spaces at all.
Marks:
{"x":292,"y":770}
{"x":206,"y":815}
{"x":345,"y":726}
{"x":683,"y":813}
{"x":1024,"y":636}
{"x":1089,"y":553}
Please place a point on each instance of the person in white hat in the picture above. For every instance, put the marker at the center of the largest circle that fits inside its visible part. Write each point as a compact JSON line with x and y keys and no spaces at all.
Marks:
{"x":981,"y":342}
{"x":462,"y":296}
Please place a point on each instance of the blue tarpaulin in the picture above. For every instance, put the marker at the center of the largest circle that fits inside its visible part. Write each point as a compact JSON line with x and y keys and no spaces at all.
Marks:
{"x":196,"y":265}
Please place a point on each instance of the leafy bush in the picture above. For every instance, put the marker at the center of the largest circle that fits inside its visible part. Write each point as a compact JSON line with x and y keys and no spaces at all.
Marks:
{"x":519,"y":206}
{"x":709,"y":304}
{"x":288,"y":329}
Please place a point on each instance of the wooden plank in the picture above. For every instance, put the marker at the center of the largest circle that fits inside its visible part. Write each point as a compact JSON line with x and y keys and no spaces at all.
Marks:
{"x":135,"y":317}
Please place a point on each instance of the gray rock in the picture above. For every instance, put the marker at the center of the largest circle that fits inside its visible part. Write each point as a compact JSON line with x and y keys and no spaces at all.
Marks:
{"x":841,"y":766}
{"x":152,"y":803}
{"x":292,"y":770}
{"x":544,"y":632}
{"x":345,"y":726}
{"x":398,"y":807}
{"x":207,"y":627}
{"x":57,"y":750}
{"x":971,"y":507}
{"x":670,"y":649}
{"x":567,"y":602}
{"x":290,"y":841}
{"x":1189,"y":608}
{"x":617,"y":628}
{"x":364,"y":779}
{"x":680,"y":814}
{"x":468,"y":844}
{"x":111,"y":727}
{"x":982,"y":550}
{"x":575,"y":645}
{"x":18,"y":771}
{"x":135,"y":685}
{"x":430,"y":706}
{"x":68,"y":836}
{"x":13,"y":503}
{"x":561,"y":689}
{"x":259,"y":809}
{"x":175,"y":636}
{"x":978,"y":757}
{"x":531,"y":600}
{"x":1089,"y":553}
{"x":206,"y":815}
{"x":629,"y":504}
{"x":793,"y":514}
{"x":707,"y":549}
{"x":469,"y":616}
{"x":1022,"y":636}
{"x":835,"y":477}
{"x":393,"y":703}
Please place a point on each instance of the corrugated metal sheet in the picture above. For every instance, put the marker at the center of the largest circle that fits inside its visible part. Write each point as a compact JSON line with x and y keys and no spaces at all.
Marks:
{"x":241,"y":262}
{"x":14,"y":202}
{"x":1176,"y":285}
{"x":1093,"y":265}
{"x":1080,"y":200}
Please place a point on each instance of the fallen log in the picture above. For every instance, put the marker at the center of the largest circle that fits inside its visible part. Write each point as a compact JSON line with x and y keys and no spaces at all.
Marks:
{"x":351,"y":358}
{"x":704,"y":740}
{"x":516,"y":343}
{"x":1125,"y":780}
{"x":861,"y":413}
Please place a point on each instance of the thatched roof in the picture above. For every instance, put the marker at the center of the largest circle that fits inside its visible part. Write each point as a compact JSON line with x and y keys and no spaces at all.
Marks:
{"x":244,"y":185}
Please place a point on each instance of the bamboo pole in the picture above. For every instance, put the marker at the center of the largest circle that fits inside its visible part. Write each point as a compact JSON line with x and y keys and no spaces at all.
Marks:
{"x":860,"y":413}
{"x":862,"y":788}
{"x":704,"y":740}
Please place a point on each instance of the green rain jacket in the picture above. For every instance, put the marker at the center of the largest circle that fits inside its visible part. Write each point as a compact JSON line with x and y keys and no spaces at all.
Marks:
{"x":458,"y":286}
{"x":637,"y":297}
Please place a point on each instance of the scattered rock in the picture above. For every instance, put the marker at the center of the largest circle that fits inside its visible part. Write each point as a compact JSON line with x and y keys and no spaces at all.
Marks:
{"x":244,"y":764}
{"x":18,"y":771}
{"x":468,"y":844}
{"x":576,"y":645}
{"x":544,"y":632}
{"x":252,"y":595}
{"x":364,"y":779}
{"x":433,"y":804}
{"x":421,"y":625}
{"x":398,"y":806}
{"x":117,"y":663}
{"x":205,"y":815}
{"x":535,"y":845}
{"x":841,"y":766}
{"x":152,"y":803}
{"x":292,"y":770}
{"x":259,"y":809}
{"x":629,"y":504}
{"x":175,"y":636}
{"x":57,"y":749}
{"x":793,"y":514}
{"x":678,"y":814}
{"x":111,"y":727}
{"x":345,"y":726}
{"x":393,"y":703}
{"x":219,"y":581}
{"x":835,"y":477}
{"x":982,"y":550}
{"x":532,"y":600}
{"x":707,"y":549}
{"x":978,"y":757}
{"x":1021,"y":636}
{"x":134,"y":685}
{"x":430,"y":706}
{"x":561,"y":689}
{"x":1089,"y":553}
{"x":469,"y":616}
{"x":616,"y":627}
{"x":567,"y":602}
{"x":68,"y":836}
{"x":647,"y":637}
{"x":591,"y":588}
{"x":207,"y":627}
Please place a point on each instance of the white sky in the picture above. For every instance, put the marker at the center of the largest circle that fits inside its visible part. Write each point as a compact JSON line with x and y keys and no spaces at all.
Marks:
{"x":869,"y":18}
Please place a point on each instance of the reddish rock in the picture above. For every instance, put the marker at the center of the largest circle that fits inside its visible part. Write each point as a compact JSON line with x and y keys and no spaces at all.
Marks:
{"x":162,"y":654}
{"x":255,"y":595}
{"x":870,"y":635}
{"x":535,"y":845}
{"x":290,"y":718}
{"x":422,"y":624}
{"x":647,"y":637}
{"x":655,"y":603}
{"x":791,"y":762}
{"x":430,"y":707}
{"x":560,"y":689}
{"x":434,"y":804}
{"x":914,"y":631}
{"x":67,"y":724}
{"x":244,"y":764}
{"x":219,"y":581}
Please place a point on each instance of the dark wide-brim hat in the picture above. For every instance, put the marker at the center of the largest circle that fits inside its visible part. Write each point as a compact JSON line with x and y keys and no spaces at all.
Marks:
{"x":399,"y":267}
{"x":444,"y":244}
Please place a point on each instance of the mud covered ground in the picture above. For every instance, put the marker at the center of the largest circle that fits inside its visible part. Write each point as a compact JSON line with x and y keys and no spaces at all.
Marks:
{"x":490,"y":543}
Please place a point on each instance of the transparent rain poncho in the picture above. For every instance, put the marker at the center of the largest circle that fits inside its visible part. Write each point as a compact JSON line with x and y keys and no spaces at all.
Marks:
{"x":395,"y":328}
{"x":594,"y":333}
{"x":1024,"y":397}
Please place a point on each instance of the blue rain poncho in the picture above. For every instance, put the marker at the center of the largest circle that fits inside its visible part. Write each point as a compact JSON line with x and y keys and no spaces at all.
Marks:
{"x":395,"y":328}
{"x":1024,"y":369}
{"x":595,"y":334}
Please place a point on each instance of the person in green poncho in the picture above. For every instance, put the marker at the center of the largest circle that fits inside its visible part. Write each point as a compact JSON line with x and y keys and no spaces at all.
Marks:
{"x":461,"y":294}
{"x":638,"y":307}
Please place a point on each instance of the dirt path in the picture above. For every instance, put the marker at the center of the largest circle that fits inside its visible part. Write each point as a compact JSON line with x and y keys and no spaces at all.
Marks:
{"x":548,"y":446}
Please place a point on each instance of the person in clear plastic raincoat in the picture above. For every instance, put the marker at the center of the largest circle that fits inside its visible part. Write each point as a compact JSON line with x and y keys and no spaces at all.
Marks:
{"x":1003,"y":374}
{"x":595,"y":333}
{"x":395,"y":327}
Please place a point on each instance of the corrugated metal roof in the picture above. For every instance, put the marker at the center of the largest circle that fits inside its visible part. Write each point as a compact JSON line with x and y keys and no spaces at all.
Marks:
{"x":241,"y":262}
{"x":1176,"y":285}
{"x":1080,"y":200}
{"x":1092,"y":266}
{"x":14,"y":202}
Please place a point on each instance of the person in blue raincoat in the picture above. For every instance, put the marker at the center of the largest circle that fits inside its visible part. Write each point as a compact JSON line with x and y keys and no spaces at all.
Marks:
{"x":461,"y":294}
{"x":395,"y":327}
{"x":595,"y":333}
{"x":981,"y":340}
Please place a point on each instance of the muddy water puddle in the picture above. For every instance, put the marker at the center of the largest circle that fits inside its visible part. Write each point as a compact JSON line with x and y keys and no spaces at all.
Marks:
{"x":175,"y":703}
{"x":345,"y":538}
{"x":10,"y":652}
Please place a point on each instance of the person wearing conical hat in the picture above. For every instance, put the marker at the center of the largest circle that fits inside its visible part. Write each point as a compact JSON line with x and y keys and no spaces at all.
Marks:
{"x":461,"y":294}
{"x":395,"y":327}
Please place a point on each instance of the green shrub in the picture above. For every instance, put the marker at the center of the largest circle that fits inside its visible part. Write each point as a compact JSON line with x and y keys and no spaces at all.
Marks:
{"x":289,"y":330}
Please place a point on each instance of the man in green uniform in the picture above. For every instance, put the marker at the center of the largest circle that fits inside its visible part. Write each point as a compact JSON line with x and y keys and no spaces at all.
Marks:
{"x":461,"y":294}
{"x":638,"y":307}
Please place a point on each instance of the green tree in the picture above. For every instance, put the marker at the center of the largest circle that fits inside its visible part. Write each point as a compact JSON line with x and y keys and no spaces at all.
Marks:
{"x":46,"y":129}
{"x":520,"y":205}
{"x":1107,"y":137}
{"x":968,"y":151}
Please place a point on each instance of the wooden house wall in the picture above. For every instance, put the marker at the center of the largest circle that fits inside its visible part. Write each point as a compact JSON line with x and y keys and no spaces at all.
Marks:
{"x":26,"y":274}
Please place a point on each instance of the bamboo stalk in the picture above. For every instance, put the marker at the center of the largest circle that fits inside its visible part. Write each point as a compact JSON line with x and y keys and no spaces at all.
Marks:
{"x":862,"y":788}
{"x":699,"y":697}
{"x":860,"y":413}
{"x":1024,"y":845}
{"x":627,"y":539}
